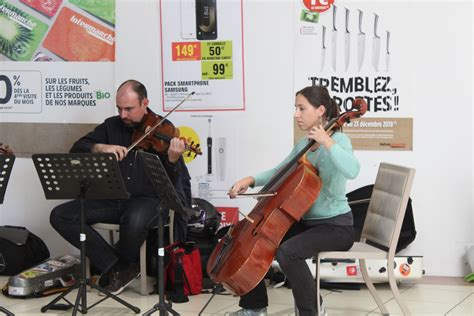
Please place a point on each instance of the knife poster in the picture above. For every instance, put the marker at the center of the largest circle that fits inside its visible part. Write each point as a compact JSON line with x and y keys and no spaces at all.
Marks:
{"x":202,"y":52}
{"x":346,"y":46}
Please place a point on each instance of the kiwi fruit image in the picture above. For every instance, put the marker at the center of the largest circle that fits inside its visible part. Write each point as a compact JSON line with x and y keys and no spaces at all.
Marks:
{"x":14,"y":38}
{"x":20,"y":33}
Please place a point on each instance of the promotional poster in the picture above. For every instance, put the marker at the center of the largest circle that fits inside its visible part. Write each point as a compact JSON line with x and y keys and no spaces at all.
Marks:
{"x":354,"y":51}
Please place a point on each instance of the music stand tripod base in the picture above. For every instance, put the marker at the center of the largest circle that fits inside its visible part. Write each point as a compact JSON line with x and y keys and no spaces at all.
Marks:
{"x":216,"y":288}
{"x":6,"y":311}
{"x":85,"y":177}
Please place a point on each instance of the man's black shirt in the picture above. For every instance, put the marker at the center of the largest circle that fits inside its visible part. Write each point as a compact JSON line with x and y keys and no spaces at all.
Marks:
{"x":113,"y":132}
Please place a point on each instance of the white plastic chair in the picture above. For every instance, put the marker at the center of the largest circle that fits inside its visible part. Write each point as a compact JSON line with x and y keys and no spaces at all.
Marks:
{"x":143,"y":274}
{"x":381,"y":230}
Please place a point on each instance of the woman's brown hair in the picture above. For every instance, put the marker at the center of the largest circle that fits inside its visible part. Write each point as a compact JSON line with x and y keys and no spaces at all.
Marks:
{"x":319,"y":95}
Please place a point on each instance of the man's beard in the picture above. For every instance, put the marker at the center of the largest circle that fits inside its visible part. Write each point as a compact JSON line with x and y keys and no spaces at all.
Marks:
{"x":130,"y":124}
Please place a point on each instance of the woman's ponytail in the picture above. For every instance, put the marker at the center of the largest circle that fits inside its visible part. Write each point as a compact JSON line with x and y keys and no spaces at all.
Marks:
{"x":334,"y":109}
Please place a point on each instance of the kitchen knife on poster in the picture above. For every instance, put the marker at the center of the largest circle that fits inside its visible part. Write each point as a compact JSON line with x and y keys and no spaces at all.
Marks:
{"x":376,"y":45}
{"x":387,"y":52}
{"x":347,"y":41}
{"x":334,"y":38}
{"x":323,"y":49}
{"x":360,"y":43}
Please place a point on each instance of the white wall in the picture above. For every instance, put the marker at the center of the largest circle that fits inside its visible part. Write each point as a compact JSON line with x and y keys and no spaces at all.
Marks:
{"x":441,"y":98}
{"x":472,"y":142}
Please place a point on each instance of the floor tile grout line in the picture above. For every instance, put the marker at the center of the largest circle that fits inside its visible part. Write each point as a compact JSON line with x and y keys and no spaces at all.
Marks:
{"x":454,"y":307}
{"x":224,"y":308}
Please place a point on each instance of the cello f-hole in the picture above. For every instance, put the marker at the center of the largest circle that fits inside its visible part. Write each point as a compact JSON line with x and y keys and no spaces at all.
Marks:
{"x":254,"y":230}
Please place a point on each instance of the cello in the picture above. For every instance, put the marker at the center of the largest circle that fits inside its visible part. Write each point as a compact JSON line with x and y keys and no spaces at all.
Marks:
{"x":243,"y":256}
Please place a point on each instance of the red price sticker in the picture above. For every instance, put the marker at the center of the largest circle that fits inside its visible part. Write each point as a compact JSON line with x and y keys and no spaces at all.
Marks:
{"x":351,"y":270}
{"x":185,"y":51}
{"x":405,"y":269}
{"x":318,"y":5}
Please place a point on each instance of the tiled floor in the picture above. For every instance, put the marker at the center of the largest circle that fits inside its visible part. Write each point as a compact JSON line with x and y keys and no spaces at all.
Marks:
{"x":422,"y":299}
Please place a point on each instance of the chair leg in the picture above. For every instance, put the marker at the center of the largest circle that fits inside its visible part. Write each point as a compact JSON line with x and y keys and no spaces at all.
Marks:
{"x":371,"y":287}
{"x":394,"y":287}
{"x":318,"y":289}
{"x":111,"y":238}
{"x":316,"y":283}
{"x":143,"y":287}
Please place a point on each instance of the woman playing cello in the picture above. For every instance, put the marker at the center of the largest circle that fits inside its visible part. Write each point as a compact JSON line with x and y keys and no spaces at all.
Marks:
{"x":328,"y":224}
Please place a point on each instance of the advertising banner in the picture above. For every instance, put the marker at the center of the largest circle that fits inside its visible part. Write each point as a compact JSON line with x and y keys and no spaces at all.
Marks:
{"x":56,"y":67}
{"x":351,"y":48}
{"x":66,"y":55}
{"x":202,"y":52}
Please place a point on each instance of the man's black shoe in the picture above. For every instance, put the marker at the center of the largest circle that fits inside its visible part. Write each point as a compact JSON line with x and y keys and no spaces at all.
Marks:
{"x":104,"y":279}
{"x":120,"y":279}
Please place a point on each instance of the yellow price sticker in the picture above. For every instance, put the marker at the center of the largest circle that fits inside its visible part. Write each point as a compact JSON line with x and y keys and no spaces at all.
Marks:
{"x":216,"y":70}
{"x":191,"y":138}
{"x":221,"y":50}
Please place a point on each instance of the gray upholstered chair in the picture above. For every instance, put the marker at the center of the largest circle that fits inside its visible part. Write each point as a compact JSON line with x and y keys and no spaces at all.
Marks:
{"x":381,"y":229}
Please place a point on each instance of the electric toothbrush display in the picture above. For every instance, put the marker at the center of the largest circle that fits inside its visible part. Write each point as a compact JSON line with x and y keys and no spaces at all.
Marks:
{"x":221,"y":158}
{"x":209,"y":150}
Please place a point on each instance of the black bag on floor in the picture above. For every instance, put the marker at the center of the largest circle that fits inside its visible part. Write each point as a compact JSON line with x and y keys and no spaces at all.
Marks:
{"x":359,"y":211}
{"x":20,"y":250}
{"x":202,"y":229}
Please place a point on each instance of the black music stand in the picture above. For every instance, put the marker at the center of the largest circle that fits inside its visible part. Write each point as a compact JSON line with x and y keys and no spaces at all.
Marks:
{"x":83,"y":176}
{"x":169,"y":200}
{"x":6,"y":165}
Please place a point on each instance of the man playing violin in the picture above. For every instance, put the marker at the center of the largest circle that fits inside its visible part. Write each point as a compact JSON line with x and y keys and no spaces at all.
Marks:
{"x":137,"y":215}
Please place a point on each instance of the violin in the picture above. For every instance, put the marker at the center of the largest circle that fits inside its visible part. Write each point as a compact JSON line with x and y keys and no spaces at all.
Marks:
{"x":156,"y":133}
{"x":243,"y":256}
{"x":159,"y":139}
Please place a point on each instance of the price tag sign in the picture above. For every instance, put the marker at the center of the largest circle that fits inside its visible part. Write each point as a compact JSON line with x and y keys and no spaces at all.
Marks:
{"x":185,"y":51}
{"x":216,"y":70}
{"x":216,"y":60}
{"x":200,"y":56}
{"x":217,"y":50}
